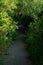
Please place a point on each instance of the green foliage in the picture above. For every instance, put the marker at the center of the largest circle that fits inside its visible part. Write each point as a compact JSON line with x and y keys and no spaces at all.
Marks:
{"x":8,"y":28}
{"x":7,"y":25}
{"x":28,"y":8}
{"x":34,"y":39}
{"x":16,"y":10}
{"x":34,"y":33}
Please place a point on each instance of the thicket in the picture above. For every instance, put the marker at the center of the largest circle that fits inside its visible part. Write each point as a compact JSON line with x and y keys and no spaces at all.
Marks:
{"x":34,"y":34}
{"x":30,"y":14}
{"x":8,"y":27}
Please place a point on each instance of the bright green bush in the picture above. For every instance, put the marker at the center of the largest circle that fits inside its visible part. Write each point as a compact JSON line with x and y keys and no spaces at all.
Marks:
{"x":8,"y":28}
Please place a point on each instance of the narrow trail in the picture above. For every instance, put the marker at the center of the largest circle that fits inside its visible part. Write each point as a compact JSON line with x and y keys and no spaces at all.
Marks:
{"x":17,"y":54}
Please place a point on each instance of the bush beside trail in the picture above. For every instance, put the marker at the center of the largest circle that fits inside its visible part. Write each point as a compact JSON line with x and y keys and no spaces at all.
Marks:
{"x":34,"y":40}
{"x":8,"y":30}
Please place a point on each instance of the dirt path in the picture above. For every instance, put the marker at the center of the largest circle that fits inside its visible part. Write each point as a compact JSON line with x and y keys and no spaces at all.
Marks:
{"x":17,"y":54}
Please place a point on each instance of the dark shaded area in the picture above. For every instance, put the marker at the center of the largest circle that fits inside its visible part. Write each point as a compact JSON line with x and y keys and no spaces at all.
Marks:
{"x":24,"y":21}
{"x":40,"y":14}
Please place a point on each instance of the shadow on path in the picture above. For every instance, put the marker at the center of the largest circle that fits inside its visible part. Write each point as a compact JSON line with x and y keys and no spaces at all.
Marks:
{"x":17,"y":54}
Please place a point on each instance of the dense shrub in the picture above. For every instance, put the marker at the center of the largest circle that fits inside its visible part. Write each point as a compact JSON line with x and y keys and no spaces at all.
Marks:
{"x":7,"y":30}
{"x":8,"y":27}
{"x":24,"y":12}
{"x":34,"y":33}
{"x":34,"y":40}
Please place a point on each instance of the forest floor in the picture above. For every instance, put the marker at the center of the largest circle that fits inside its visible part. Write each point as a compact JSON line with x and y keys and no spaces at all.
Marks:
{"x":17,"y":54}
